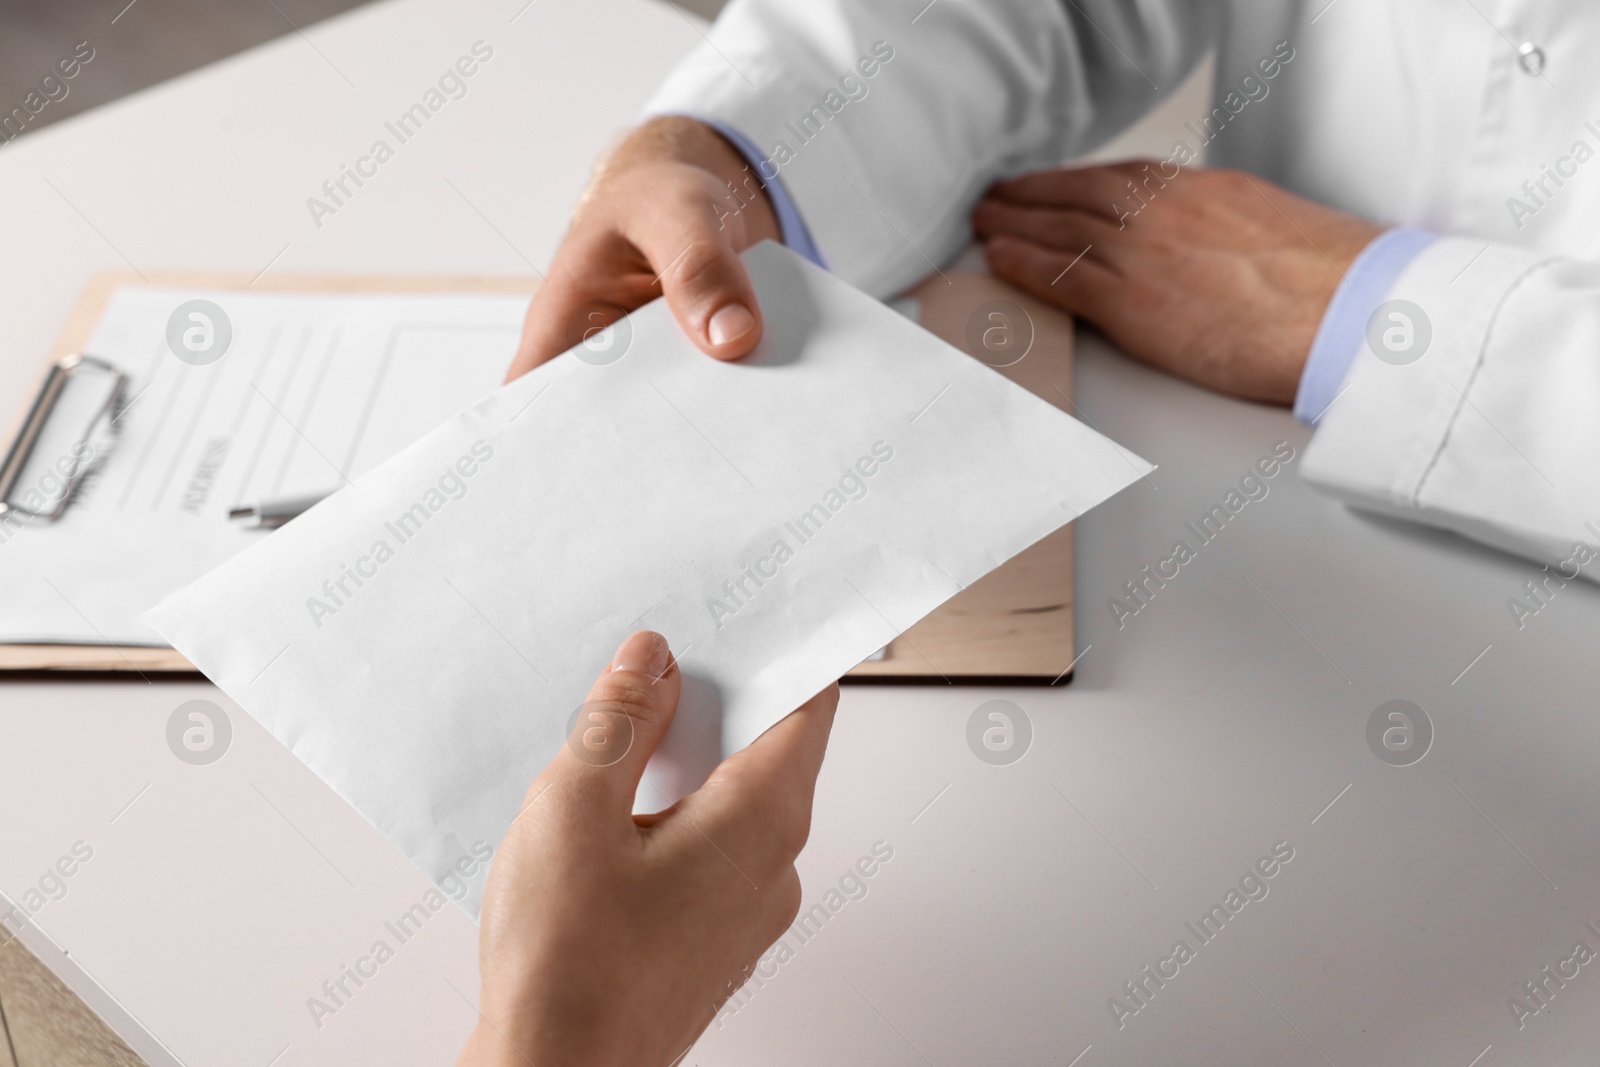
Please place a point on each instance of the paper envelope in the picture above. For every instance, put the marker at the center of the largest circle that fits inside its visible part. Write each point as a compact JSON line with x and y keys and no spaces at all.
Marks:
{"x":422,"y":638}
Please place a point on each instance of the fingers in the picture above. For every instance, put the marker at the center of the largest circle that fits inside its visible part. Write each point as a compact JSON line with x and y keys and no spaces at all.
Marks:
{"x":756,"y":806}
{"x":1107,"y":191}
{"x":1068,"y":230}
{"x":595,"y":280}
{"x":1079,"y":282}
{"x":614,"y":733}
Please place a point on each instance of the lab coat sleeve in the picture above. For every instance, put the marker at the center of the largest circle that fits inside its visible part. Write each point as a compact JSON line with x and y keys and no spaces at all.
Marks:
{"x":886,"y":166}
{"x":1492,"y":429}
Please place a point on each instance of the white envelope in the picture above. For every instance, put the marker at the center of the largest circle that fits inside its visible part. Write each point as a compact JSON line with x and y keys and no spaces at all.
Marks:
{"x":422,"y":638}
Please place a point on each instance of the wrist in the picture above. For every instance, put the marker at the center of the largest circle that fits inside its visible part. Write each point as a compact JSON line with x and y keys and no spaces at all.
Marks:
{"x":1346,"y":320}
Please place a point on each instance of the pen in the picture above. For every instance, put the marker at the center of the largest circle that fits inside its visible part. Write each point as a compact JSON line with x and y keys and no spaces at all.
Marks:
{"x":271,"y":514}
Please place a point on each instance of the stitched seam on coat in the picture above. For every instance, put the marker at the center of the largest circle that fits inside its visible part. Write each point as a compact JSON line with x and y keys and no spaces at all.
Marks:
{"x":1415,"y":497}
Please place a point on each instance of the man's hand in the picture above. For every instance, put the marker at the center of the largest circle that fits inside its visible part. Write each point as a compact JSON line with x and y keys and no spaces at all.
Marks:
{"x":1216,"y":276}
{"x":610,"y":939}
{"x":669,"y":212}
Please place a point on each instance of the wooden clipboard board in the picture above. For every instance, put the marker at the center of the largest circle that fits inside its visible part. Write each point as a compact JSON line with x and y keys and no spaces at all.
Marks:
{"x":1013,"y":626}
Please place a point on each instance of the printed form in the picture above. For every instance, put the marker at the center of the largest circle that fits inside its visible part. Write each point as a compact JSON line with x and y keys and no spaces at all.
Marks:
{"x":311,"y":392}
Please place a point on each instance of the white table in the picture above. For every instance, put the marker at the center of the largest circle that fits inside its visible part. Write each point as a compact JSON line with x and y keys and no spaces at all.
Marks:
{"x":1226,"y":716}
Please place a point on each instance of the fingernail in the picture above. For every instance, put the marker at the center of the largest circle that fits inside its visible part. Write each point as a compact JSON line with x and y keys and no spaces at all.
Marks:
{"x":644,"y":652}
{"x":730,"y":323}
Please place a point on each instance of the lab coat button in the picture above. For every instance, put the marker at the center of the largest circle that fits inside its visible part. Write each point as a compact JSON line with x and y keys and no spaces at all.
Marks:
{"x":1531,"y":56}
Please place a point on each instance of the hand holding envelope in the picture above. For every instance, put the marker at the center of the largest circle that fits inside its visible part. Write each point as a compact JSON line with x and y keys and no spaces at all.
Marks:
{"x":423,"y":639}
{"x":597,"y":941}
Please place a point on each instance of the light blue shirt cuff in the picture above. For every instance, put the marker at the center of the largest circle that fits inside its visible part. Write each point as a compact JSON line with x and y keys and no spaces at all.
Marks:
{"x":790,"y":225}
{"x":1344,"y":324}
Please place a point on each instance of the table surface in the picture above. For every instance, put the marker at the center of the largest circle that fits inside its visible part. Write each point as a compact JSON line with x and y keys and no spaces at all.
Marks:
{"x":1228,"y":715}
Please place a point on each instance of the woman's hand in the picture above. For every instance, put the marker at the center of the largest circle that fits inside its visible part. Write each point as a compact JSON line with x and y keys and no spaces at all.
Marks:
{"x":609,"y":938}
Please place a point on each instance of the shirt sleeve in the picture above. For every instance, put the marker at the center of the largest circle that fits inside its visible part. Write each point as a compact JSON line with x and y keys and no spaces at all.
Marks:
{"x":1344,"y":324}
{"x":791,"y":226}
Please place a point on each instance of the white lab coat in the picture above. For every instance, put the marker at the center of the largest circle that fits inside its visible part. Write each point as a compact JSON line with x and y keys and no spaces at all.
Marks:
{"x":1419,"y":112}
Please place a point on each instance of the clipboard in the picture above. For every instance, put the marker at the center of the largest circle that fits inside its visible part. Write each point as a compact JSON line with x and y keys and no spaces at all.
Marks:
{"x":1014,"y":626}
{"x":112,"y":661}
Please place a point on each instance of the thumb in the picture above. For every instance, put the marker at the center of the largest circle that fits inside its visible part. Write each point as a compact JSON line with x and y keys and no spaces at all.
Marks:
{"x":613,"y":734}
{"x":703,"y":279}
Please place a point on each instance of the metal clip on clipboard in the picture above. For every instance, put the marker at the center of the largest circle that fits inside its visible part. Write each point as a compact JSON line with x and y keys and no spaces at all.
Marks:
{"x":60,"y":375}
